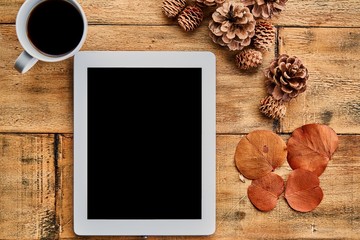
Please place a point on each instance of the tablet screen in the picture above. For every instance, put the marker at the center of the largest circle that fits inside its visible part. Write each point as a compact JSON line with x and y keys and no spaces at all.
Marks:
{"x":144,"y":143}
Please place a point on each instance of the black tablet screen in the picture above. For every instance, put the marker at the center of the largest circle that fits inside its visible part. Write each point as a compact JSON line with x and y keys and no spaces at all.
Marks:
{"x":144,"y":143}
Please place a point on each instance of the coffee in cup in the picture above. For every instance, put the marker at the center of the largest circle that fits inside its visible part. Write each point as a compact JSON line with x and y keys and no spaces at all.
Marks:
{"x":49,"y":30}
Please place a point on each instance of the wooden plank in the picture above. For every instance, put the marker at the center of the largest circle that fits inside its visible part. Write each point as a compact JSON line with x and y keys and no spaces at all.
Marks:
{"x":9,"y":9}
{"x":140,"y":12}
{"x":320,"y":13}
{"x":338,"y":215}
{"x":41,"y":99}
{"x":64,"y":205}
{"x":331,"y":56}
{"x":27,"y":187}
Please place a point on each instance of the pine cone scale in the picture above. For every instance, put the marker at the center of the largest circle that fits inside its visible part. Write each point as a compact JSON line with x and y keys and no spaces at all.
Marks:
{"x":286,"y":77}
{"x":265,"y":9}
{"x":190,"y":18}
{"x":296,"y":85}
{"x":272,"y":108}
{"x":218,"y":18}
{"x":286,"y":89}
{"x":283,"y":67}
{"x":235,"y":23}
{"x":282,"y":81}
{"x":171,"y":8}
{"x":225,"y":39}
{"x":300,"y":74}
{"x":209,"y":3}
{"x":264,"y":35}
{"x":248,"y":58}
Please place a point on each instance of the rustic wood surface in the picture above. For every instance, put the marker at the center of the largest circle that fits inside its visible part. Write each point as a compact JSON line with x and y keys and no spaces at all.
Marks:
{"x":36,"y":119}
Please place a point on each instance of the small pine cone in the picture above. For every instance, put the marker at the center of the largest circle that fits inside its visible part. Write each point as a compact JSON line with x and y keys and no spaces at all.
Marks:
{"x":248,"y":58}
{"x":190,"y":18}
{"x":232,"y":25}
{"x":265,"y":9}
{"x":286,"y":77}
{"x":264,"y":35}
{"x":171,"y":8}
{"x":209,"y":3}
{"x":272,"y":108}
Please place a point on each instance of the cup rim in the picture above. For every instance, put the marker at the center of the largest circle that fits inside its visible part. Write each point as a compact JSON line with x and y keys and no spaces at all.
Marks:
{"x":21,"y":31}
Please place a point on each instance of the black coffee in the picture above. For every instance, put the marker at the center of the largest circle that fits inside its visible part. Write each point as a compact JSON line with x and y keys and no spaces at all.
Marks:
{"x":55,"y":27}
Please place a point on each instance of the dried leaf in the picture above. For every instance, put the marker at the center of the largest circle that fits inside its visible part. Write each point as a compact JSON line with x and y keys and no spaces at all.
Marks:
{"x":259,"y":153}
{"x":311,"y":147}
{"x":303,"y":192}
{"x":265,"y":191}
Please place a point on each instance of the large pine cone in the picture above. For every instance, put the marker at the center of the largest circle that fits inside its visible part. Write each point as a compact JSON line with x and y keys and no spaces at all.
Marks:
{"x":248,"y":58}
{"x":264,"y":35}
{"x":190,"y":18}
{"x":286,"y":77}
{"x":272,"y":108}
{"x":209,"y":3}
{"x":171,"y":8}
{"x":265,"y":8}
{"x":232,"y":25}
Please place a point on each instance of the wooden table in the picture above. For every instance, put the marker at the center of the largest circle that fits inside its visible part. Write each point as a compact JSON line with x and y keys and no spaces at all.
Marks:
{"x":36,"y":118}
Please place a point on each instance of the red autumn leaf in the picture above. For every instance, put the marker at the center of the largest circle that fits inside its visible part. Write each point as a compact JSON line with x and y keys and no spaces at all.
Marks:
{"x":311,"y":147}
{"x":302,"y":191}
{"x":265,"y":191}
{"x":259,"y":153}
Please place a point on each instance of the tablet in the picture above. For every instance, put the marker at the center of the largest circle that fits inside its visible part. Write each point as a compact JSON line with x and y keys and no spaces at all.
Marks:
{"x":144,"y":143}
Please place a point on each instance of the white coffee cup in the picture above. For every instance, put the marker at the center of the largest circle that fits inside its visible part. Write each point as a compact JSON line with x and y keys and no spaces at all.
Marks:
{"x":31,"y":54}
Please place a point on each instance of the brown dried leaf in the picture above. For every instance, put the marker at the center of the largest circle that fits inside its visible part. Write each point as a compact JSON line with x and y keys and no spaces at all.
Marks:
{"x":303,"y":192}
{"x":265,"y":191}
{"x":259,"y":153}
{"x":311,"y":147}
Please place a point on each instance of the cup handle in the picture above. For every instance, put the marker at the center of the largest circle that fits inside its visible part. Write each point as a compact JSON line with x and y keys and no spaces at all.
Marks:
{"x":24,"y":62}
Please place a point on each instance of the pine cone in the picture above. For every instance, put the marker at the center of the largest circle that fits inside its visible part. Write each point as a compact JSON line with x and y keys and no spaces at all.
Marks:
{"x":190,"y":18}
{"x":265,"y":8}
{"x":232,"y":25}
{"x":209,"y":3}
{"x":264,"y":35}
{"x":171,"y":8}
{"x":286,"y":77}
{"x":272,"y":108}
{"x":248,"y":58}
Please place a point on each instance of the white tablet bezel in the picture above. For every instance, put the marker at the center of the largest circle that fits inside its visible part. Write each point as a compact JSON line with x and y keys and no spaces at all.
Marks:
{"x":201,"y":59}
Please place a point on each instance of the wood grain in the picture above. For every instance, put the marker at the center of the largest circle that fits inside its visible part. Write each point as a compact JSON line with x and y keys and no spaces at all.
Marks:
{"x":320,"y":13}
{"x":41,"y":100}
{"x":27,"y":187}
{"x":238,"y":218}
{"x":138,"y":12}
{"x":331,"y":56}
{"x":64,"y":204}
{"x":36,"y":119}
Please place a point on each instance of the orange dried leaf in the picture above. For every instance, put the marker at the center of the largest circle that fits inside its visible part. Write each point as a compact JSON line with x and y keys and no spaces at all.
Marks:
{"x":259,"y":153}
{"x":265,"y":191}
{"x":311,"y":147}
{"x":302,"y":191}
